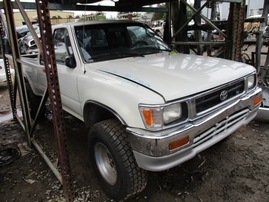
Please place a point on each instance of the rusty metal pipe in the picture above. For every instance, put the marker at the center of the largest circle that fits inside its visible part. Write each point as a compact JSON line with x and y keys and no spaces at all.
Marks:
{"x":205,"y":18}
{"x":47,"y":160}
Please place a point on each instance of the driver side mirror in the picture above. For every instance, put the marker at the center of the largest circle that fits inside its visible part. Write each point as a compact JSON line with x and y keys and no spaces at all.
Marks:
{"x":70,"y":61}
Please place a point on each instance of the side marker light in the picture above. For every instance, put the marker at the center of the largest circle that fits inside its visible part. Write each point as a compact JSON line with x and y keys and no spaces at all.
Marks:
{"x":179,"y":143}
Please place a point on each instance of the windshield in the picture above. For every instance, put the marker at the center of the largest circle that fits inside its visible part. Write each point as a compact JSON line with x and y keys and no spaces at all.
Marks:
{"x":114,"y":41}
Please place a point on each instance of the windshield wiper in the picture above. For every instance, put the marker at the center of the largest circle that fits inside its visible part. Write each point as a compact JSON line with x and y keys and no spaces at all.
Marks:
{"x":159,"y":49}
{"x":115,"y":55}
{"x":132,"y":54}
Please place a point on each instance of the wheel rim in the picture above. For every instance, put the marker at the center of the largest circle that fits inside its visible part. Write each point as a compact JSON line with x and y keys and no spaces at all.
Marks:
{"x":105,"y":163}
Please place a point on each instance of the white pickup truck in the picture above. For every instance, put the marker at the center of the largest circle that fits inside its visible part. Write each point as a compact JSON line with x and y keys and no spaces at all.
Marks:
{"x":148,"y":107}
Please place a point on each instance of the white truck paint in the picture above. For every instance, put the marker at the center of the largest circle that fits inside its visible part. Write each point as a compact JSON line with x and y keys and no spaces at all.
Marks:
{"x":149,"y":108}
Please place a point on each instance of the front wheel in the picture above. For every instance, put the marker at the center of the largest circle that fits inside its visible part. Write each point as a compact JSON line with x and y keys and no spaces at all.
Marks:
{"x":113,"y":160}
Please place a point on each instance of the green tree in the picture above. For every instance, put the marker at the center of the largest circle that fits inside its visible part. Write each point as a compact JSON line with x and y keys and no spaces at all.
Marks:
{"x":189,"y":12}
{"x":159,"y":16}
{"x":162,"y":16}
{"x":101,"y":17}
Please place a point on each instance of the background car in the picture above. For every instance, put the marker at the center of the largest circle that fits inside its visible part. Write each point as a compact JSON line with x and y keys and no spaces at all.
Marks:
{"x":3,"y":77}
{"x":27,"y":43}
{"x":252,"y":23}
{"x":23,"y":36}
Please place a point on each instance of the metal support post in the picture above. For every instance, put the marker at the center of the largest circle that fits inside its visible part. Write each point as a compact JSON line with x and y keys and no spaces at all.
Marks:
{"x":3,"y":33}
{"x":198,"y":35}
{"x":19,"y":80}
{"x":55,"y":96}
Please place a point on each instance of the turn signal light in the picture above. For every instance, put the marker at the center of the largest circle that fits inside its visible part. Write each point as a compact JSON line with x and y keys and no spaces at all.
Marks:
{"x":258,"y":100}
{"x":178,"y":143}
{"x":148,"y":115}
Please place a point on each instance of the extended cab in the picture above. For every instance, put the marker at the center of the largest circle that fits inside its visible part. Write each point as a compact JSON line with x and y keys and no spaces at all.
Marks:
{"x":148,"y":107}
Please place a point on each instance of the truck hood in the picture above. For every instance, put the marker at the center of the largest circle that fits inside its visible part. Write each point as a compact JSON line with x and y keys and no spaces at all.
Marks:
{"x":176,"y":75}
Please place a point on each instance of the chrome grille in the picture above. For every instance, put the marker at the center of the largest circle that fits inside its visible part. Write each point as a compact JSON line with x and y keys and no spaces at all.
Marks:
{"x":214,"y":98}
{"x":220,"y":127}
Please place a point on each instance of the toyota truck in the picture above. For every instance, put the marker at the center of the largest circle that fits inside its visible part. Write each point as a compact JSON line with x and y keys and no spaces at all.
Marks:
{"x":148,"y":108}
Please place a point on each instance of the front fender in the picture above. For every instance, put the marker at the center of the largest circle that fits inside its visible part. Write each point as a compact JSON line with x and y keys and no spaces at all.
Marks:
{"x":119,"y":96}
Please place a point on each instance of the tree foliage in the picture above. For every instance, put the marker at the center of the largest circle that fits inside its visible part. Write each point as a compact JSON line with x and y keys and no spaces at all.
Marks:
{"x":93,"y":16}
{"x":101,"y":17}
{"x":162,"y":16}
{"x":159,"y":16}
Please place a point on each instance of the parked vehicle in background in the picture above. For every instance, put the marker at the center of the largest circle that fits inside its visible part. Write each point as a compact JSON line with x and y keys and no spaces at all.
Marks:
{"x":252,"y":23}
{"x":27,"y":43}
{"x":22,"y":36}
{"x":215,"y":36}
{"x":158,"y":27}
{"x":148,"y":107}
{"x":3,"y":77}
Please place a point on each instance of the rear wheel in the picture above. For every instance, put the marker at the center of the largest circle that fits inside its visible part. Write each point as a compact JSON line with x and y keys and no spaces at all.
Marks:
{"x":113,"y":160}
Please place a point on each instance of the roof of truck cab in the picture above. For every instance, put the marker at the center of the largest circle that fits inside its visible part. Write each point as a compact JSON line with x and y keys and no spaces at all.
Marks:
{"x":98,"y":22}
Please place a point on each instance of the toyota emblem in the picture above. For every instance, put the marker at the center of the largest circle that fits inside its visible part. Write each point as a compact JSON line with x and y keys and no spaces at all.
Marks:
{"x":223,"y":95}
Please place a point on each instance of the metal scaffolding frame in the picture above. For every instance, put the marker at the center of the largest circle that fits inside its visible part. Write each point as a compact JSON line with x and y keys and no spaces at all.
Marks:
{"x":53,"y":88}
{"x":230,"y":47}
{"x":263,"y":70}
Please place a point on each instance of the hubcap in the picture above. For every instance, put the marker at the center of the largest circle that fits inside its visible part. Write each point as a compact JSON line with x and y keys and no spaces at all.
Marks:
{"x":105,"y":163}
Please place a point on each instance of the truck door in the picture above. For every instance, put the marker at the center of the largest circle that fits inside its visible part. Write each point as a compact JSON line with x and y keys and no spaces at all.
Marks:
{"x":67,"y":74}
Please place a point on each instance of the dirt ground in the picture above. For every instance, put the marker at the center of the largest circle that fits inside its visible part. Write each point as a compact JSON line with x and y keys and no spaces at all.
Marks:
{"x":236,"y":169}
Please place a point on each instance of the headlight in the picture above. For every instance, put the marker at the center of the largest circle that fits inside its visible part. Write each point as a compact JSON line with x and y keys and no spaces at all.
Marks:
{"x":155,"y":117}
{"x":251,"y":81}
{"x":172,"y":113}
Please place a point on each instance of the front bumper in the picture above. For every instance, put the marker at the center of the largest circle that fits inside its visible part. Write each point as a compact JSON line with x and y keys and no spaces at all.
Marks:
{"x":151,"y":149}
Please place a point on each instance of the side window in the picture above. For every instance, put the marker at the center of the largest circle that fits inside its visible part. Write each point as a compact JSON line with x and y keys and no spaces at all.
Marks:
{"x":62,"y":45}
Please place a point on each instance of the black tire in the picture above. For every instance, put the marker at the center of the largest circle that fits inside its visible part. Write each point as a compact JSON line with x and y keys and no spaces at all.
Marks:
{"x":33,"y":102}
{"x":114,"y":162}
